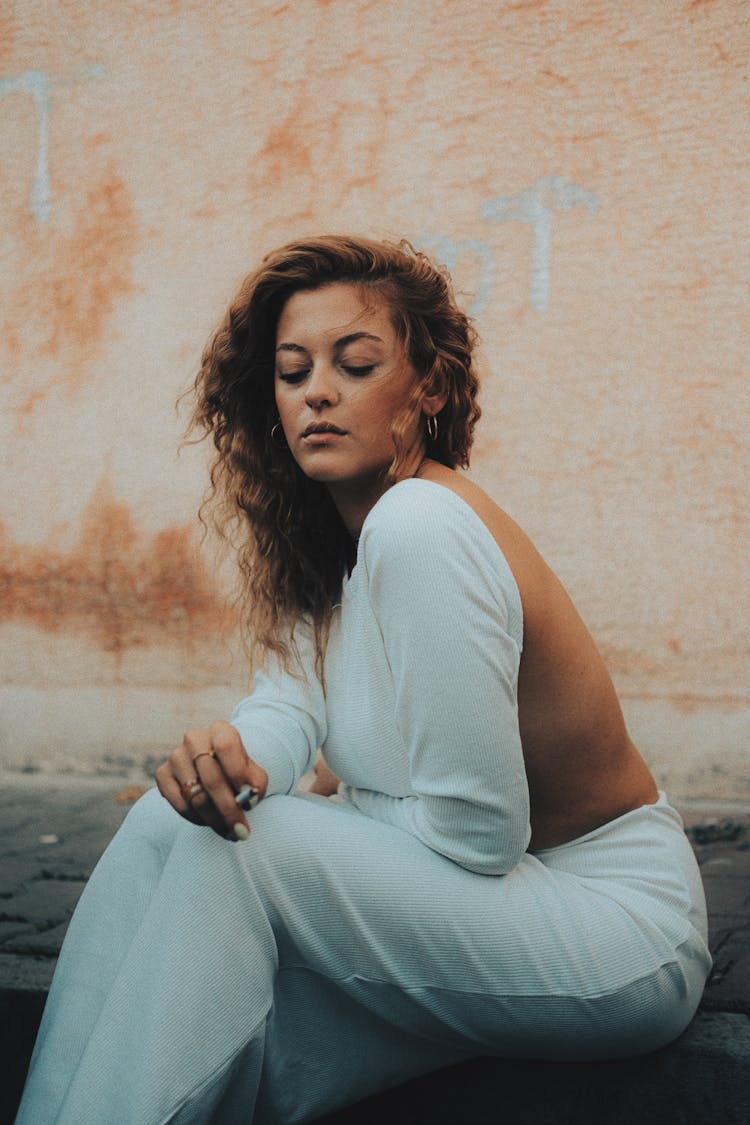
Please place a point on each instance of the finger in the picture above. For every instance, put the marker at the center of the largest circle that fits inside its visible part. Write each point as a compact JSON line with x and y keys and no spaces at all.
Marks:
{"x":169,"y":787}
{"x":218,"y":790}
{"x":216,"y":802}
{"x":186,"y":760}
{"x":235,"y":761}
{"x":203,"y":806}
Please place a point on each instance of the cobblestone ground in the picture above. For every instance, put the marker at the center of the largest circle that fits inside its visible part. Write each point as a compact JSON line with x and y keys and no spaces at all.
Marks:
{"x":722,"y":846}
{"x":52,"y":832}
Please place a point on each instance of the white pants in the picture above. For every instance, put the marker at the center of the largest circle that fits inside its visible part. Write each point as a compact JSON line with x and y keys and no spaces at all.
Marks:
{"x":330,"y":956}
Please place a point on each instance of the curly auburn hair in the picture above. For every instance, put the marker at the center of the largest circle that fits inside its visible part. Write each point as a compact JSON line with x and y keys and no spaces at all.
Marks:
{"x":293,"y":548}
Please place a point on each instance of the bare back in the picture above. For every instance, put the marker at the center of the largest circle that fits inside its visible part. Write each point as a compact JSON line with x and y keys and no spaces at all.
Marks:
{"x":583,"y":770}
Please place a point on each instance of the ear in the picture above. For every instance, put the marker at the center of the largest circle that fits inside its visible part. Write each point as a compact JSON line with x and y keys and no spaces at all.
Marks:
{"x":436,"y":396}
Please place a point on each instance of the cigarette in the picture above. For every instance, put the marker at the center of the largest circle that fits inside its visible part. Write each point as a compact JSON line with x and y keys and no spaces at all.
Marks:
{"x":248,"y":797}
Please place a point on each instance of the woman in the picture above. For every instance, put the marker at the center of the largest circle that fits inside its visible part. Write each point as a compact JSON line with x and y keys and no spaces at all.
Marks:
{"x":496,"y":873}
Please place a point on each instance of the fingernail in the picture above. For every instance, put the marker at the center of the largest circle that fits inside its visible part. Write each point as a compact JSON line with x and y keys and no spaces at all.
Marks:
{"x":241,"y":830}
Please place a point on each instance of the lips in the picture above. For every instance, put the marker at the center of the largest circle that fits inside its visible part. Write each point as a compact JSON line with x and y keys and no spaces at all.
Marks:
{"x":322,"y":428}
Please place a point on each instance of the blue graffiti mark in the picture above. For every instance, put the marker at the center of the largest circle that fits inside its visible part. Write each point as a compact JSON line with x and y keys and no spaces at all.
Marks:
{"x":448,"y":251}
{"x":535,"y":206}
{"x":39,"y":86}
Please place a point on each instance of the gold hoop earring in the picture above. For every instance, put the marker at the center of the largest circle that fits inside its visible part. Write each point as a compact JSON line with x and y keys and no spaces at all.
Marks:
{"x":432,"y":427}
{"x":279,"y":444}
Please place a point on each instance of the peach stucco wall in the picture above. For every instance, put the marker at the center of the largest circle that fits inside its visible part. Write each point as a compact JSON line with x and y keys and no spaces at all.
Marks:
{"x":583,"y":169}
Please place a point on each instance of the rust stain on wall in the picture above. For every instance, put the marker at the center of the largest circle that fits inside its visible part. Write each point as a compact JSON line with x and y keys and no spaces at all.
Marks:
{"x":295,"y":150}
{"x":559,"y":79}
{"x":98,"y":139}
{"x":288,"y":151}
{"x":526,"y":6}
{"x":97,"y":270}
{"x":120,"y":588}
{"x":8,"y":29}
{"x":67,"y":302}
{"x":629,"y":662}
{"x":689,"y":703}
{"x":694,"y":704}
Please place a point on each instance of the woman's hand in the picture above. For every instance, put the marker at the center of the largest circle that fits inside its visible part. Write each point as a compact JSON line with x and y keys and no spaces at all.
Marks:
{"x":202,"y":777}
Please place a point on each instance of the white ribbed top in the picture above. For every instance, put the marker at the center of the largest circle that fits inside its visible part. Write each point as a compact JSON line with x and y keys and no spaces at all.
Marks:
{"x":420,"y":717}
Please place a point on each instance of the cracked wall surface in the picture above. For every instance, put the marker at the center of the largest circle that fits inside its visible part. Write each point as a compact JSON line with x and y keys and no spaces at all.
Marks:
{"x":582,"y":170}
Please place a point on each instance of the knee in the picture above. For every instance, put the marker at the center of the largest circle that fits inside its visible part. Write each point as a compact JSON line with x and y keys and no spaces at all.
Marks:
{"x":152,"y":817}
{"x":275,"y":825}
{"x":289,"y":838}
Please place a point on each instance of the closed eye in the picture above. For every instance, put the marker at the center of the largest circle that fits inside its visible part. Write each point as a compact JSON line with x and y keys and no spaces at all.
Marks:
{"x":292,"y":377}
{"x":358,"y":372}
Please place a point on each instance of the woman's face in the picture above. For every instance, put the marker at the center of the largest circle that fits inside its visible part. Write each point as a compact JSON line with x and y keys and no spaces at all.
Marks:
{"x":342,"y":378}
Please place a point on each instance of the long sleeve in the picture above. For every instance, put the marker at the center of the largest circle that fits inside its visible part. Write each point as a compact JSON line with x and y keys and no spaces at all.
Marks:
{"x":283,"y":721}
{"x":450,"y":617}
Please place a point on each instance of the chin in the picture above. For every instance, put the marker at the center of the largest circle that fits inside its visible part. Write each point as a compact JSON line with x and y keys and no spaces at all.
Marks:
{"x":324,"y":474}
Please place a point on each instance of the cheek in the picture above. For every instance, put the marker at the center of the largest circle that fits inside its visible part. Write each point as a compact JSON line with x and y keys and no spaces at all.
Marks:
{"x":394,"y":406}
{"x":283,"y":404}
{"x":376,"y":414}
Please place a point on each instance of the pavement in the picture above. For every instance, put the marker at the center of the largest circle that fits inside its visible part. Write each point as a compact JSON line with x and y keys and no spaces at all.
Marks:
{"x":53,"y":828}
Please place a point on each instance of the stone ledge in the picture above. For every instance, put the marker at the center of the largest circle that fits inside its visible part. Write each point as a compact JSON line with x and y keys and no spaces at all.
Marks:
{"x":700,"y":1079}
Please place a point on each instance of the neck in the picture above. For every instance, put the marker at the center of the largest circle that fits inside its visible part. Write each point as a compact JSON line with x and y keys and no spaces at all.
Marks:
{"x":355,"y":500}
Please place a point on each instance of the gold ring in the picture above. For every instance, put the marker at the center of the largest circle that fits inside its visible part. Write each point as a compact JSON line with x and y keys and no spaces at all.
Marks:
{"x":190,"y":789}
{"x":204,"y":754}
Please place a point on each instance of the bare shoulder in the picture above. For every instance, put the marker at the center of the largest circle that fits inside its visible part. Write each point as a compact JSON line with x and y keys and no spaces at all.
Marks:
{"x":582,"y":767}
{"x":551,"y":621}
{"x":523,"y":558}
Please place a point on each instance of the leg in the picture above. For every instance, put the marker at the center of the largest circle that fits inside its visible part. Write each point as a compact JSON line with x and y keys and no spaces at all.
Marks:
{"x":159,"y":1008}
{"x":143,"y":1014}
{"x":326,"y":957}
{"x":394,"y":961}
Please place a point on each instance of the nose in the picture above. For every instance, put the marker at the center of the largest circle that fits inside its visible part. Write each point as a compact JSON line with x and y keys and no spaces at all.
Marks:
{"x":321,"y":390}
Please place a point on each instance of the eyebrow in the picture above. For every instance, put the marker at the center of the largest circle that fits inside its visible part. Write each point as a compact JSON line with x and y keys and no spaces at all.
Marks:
{"x":340,"y":343}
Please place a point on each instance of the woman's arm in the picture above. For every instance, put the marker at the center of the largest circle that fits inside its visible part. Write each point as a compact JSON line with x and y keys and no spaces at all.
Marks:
{"x":270,"y":742}
{"x":283,"y":722}
{"x":451,"y":621}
